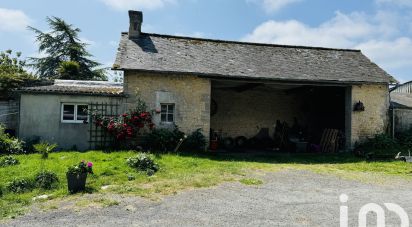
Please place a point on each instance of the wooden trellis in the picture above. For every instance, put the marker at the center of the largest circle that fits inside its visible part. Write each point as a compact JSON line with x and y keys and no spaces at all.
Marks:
{"x":100,"y":139}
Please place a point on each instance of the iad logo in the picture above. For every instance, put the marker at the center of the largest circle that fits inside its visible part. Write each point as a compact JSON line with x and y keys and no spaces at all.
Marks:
{"x":375,"y":208}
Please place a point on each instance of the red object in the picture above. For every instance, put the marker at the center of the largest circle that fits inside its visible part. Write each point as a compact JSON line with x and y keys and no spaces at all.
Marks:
{"x":214,"y":145}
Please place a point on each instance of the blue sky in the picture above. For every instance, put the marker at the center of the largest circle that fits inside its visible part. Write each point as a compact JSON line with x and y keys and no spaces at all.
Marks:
{"x":382,"y":29}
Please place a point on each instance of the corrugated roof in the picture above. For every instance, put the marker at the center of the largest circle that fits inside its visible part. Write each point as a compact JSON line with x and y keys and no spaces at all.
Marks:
{"x":82,"y":87}
{"x":227,"y":59}
{"x":403,"y":88}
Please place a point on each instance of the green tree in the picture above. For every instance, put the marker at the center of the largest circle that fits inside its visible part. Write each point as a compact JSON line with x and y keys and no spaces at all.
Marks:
{"x":69,"y":70}
{"x":61,"y":45}
{"x":12,"y":72}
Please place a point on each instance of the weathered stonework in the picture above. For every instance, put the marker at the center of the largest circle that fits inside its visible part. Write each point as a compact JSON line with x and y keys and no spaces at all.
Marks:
{"x":374,"y":119}
{"x":245,"y":113}
{"x":190,"y":94}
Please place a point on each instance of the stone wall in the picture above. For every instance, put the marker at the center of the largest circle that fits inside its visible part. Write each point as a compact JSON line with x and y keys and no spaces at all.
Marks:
{"x":374,"y":119}
{"x":245,"y":113}
{"x":190,"y":94}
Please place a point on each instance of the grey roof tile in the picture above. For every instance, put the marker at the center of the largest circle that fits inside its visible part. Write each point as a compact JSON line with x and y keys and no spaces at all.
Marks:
{"x":80,"y":87}
{"x":215,"y":58}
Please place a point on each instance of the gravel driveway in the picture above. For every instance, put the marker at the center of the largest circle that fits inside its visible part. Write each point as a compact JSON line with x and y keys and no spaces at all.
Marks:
{"x":287,"y":198}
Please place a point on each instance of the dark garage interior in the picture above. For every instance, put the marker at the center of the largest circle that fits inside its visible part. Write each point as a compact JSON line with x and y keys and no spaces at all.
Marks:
{"x":277,"y":117}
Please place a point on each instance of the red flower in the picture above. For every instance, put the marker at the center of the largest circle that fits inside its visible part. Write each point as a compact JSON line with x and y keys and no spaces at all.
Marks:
{"x":125,"y":126}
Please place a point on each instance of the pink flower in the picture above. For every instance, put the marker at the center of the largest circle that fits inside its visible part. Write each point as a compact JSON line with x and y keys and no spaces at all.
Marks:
{"x":89,"y":164}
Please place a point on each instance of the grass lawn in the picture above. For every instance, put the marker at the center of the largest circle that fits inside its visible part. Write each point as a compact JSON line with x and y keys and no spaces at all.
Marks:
{"x":177,"y":172}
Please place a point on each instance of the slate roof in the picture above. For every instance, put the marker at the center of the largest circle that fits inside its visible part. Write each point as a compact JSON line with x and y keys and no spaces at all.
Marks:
{"x":239,"y":60}
{"x":78,"y":87}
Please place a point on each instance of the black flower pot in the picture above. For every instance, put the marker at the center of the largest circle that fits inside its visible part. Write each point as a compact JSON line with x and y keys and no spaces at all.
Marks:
{"x":76,"y":182}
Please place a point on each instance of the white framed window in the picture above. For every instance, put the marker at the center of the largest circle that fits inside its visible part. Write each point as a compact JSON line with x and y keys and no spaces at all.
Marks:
{"x":167,"y":113}
{"x":74,"y":113}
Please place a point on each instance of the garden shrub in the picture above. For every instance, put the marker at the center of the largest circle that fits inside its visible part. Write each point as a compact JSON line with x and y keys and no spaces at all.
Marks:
{"x":195,"y":141}
{"x":405,"y":139}
{"x":163,"y":139}
{"x":380,"y":144}
{"x":143,"y":162}
{"x":20,"y":185}
{"x":125,"y":128}
{"x":46,"y":180}
{"x":8,"y":161}
{"x":30,"y":142}
{"x":44,"y":149}
{"x":9,"y":144}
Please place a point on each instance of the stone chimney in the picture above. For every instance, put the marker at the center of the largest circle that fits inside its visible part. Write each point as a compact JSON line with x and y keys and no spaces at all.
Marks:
{"x":135,"y":27}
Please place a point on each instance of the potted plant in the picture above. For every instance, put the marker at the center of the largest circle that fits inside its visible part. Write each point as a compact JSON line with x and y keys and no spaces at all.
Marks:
{"x":76,"y":176}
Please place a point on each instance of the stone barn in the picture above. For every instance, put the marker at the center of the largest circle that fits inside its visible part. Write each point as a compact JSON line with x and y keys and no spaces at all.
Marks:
{"x":240,"y":88}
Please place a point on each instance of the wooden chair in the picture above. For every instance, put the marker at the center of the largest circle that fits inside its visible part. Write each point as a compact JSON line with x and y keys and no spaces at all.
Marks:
{"x":329,"y":142}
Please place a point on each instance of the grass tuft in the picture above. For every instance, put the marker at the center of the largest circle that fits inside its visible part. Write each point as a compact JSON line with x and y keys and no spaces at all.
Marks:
{"x":251,"y":181}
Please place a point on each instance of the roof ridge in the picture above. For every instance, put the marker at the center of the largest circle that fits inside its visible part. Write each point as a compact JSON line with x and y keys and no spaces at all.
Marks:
{"x":246,"y":43}
{"x":86,"y":82}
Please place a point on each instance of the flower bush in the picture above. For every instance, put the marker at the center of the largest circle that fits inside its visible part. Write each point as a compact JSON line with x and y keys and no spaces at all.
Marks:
{"x":127,"y":125}
{"x":143,"y":162}
{"x":82,"y":167}
{"x":8,"y":161}
{"x":20,"y":185}
{"x":9,"y":144}
{"x":46,"y":179}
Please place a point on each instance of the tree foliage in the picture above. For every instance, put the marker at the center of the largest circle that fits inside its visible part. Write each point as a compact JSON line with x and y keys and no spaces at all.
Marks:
{"x":63,"y":49}
{"x":69,"y":70}
{"x":12,"y":72}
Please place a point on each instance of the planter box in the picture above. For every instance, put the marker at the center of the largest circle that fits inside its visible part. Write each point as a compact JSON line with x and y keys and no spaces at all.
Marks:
{"x":76,"y":182}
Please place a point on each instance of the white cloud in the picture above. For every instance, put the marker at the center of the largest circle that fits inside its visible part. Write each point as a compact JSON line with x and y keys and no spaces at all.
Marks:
{"x":392,"y":54}
{"x":13,"y":20}
{"x":376,"y":35}
{"x":273,"y":5}
{"x":137,"y":4}
{"x":341,"y":31}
